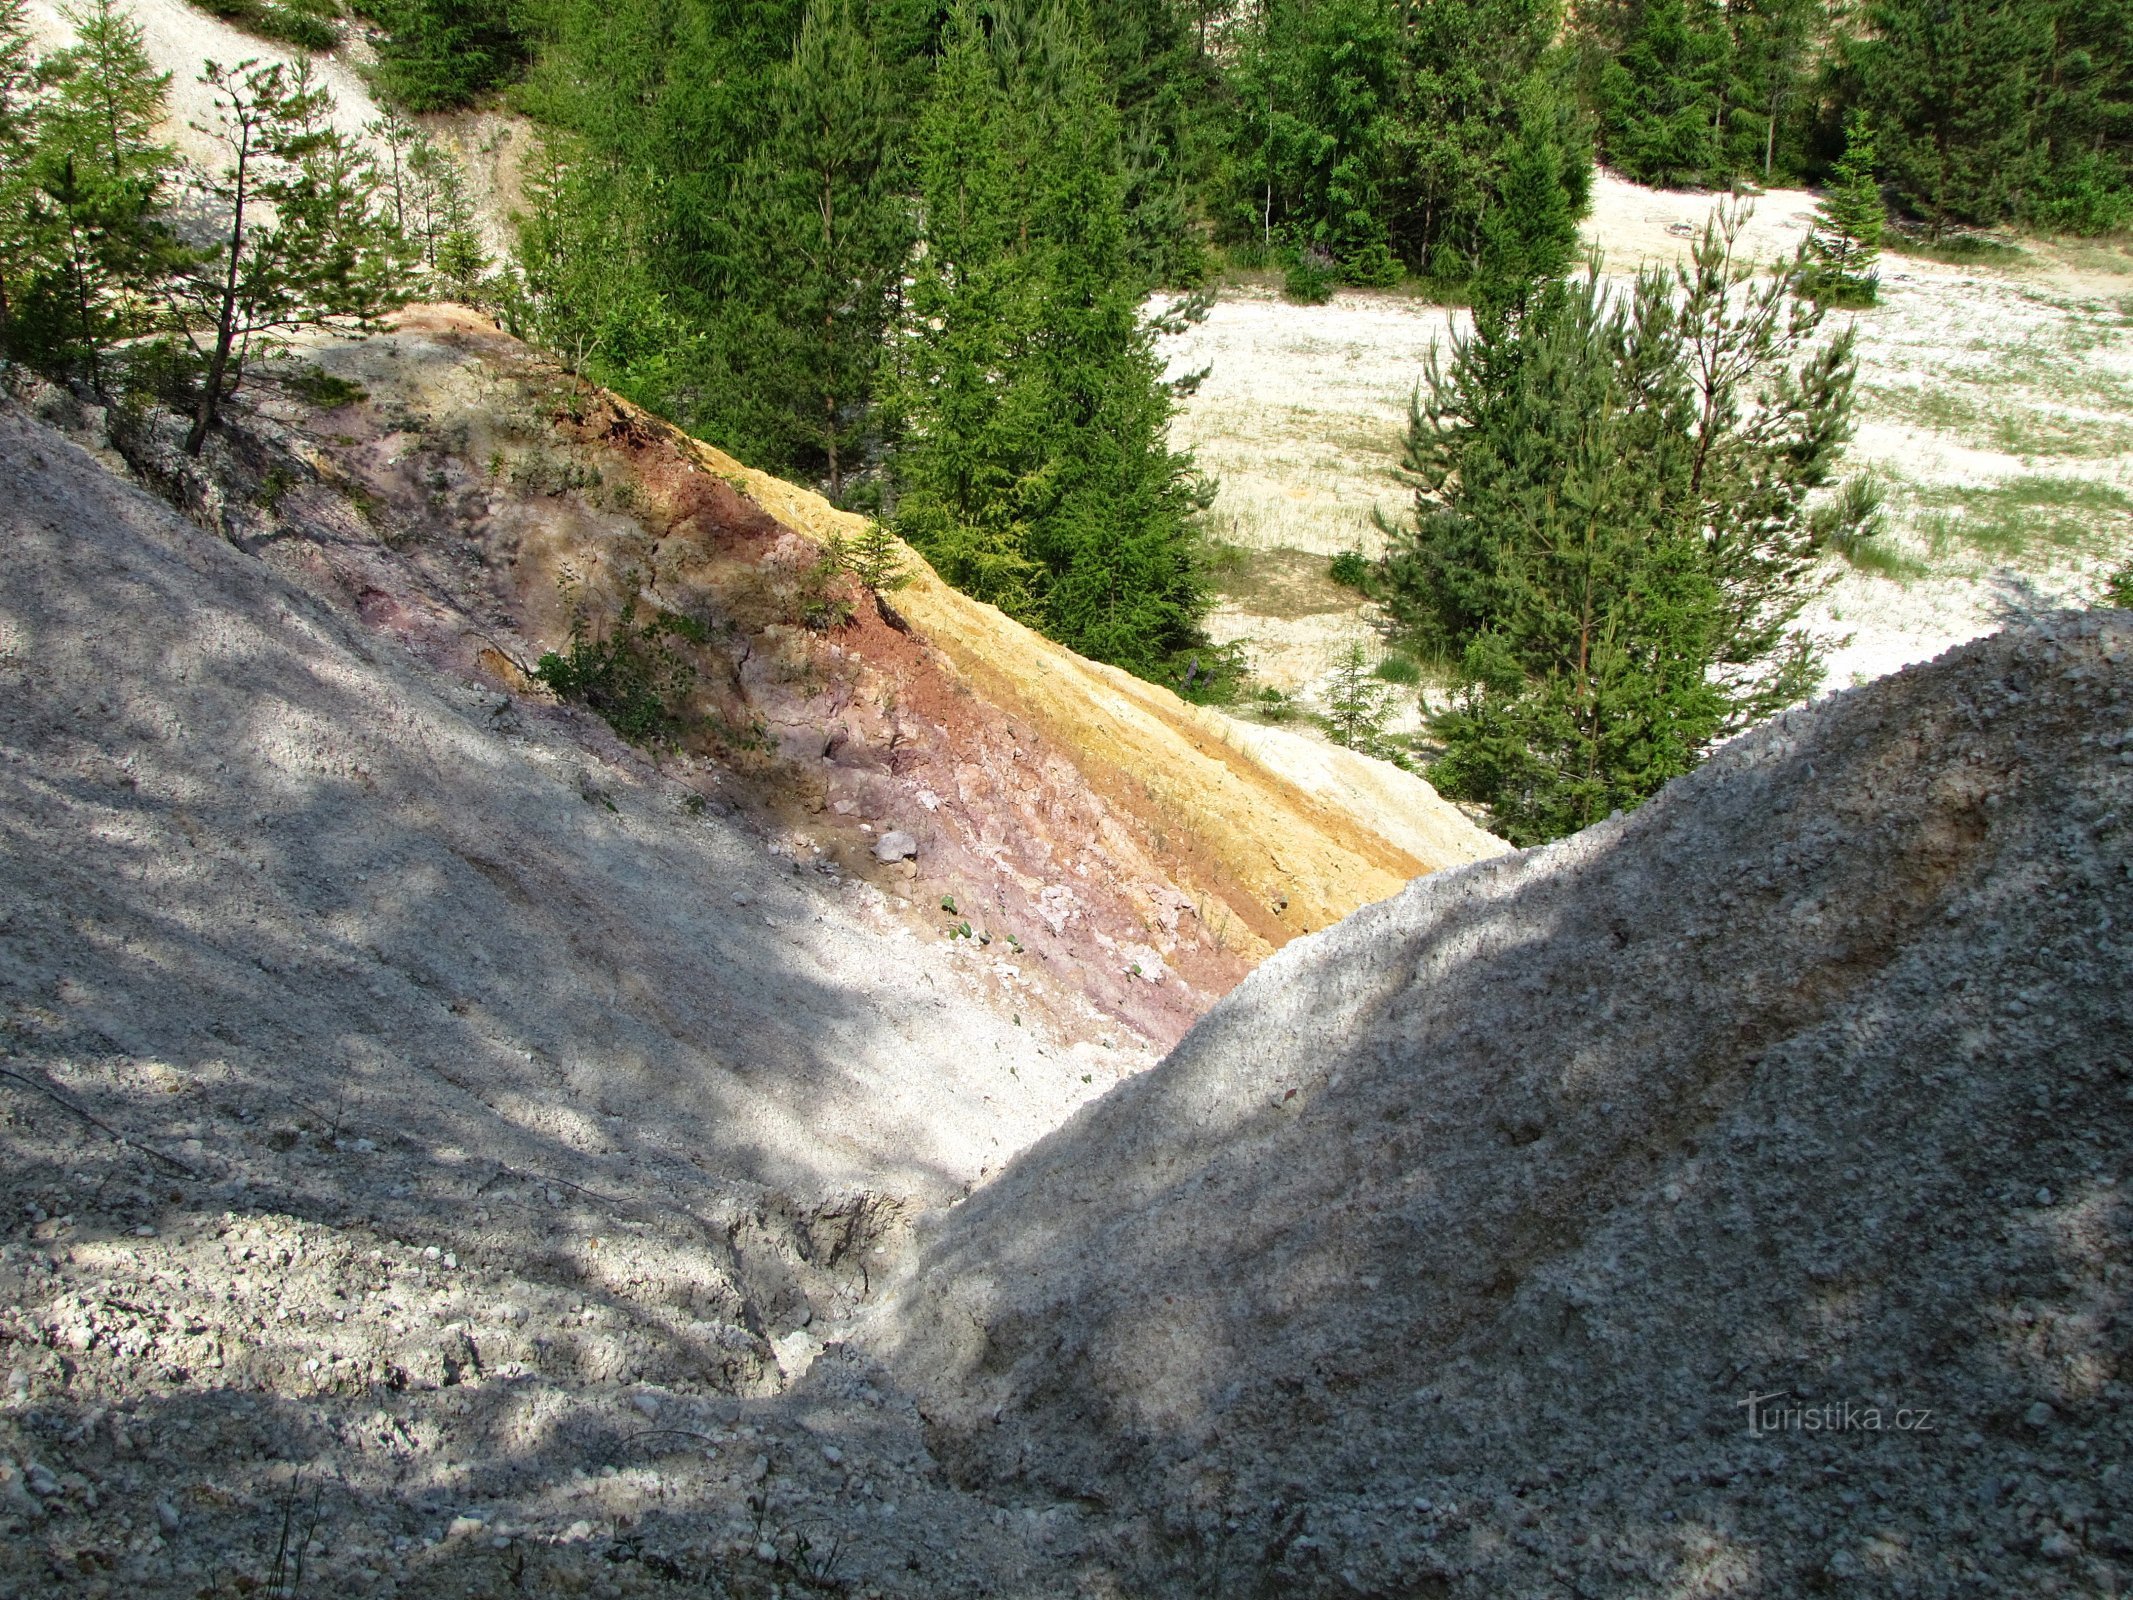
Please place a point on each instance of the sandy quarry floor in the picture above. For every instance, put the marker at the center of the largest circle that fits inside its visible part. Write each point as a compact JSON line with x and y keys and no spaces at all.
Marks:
{"x":1996,"y":405}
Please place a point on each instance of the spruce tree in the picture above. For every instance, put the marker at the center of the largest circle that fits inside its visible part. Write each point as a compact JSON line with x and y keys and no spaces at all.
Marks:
{"x":593,"y":280}
{"x":304,"y":241}
{"x":439,"y":54}
{"x":2084,"y":121}
{"x":1770,"y":99}
{"x":1356,"y":703}
{"x":1315,"y":89}
{"x":1662,"y":113}
{"x":831,"y":228}
{"x":1036,"y":471}
{"x":1616,"y":517}
{"x":1952,"y":87}
{"x":1845,"y":250}
{"x":1489,"y":153}
{"x":1165,"y":88}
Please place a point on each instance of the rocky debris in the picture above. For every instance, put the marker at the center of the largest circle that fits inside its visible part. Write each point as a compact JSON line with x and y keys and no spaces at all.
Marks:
{"x":1732,"y":1198}
{"x":895,"y":845}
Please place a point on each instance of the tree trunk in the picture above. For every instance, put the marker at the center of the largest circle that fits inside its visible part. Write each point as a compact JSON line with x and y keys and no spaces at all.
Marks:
{"x":208,"y":411}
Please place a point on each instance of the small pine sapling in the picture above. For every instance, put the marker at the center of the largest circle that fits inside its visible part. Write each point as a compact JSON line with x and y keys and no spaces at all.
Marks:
{"x":1844,"y":250}
{"x":1357,"y":703}
{"x":874,"y":559}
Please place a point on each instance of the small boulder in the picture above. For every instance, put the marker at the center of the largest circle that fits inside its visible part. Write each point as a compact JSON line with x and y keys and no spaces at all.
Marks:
{"x":895,"y":845}
{"x":1144,"y":962}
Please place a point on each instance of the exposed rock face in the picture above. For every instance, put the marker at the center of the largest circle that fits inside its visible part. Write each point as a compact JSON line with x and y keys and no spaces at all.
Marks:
{"x":1445,"y":1255}
{"x":477,"y":502}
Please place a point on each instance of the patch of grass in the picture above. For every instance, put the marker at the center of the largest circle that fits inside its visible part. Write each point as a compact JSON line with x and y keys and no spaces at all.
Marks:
{"x":542,"y":473}
{"x":2010,"y":427}
{"x":2022,"y":517}
{"x":1285,"y":584}
{"x":1880,"y":559}
{"x":1401,"y":669}
{"x":1271,"y":705}
{"x":2114,"y":256}
{"x":1955,"y":249}
{"x":318,"y":387}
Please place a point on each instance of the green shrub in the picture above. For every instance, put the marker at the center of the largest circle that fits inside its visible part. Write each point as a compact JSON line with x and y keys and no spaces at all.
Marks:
{"x":630,"y":674}
{"x":1352,"y":569}
{"x":311,"y":24}
{"x":1209,"y":675}
{"x":2118,"y":589}
{"x":318,"y":387}
{"x":824,"y":601}
{"x":1374,"y":266}
{"x":1309,"y":278}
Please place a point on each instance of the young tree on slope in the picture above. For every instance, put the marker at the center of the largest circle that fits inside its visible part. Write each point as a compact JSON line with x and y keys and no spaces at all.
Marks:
{"x":1036,"y":472}
{"x":304,"y":239}
{"x":1615,"y":523}
{"x":101,"y":176}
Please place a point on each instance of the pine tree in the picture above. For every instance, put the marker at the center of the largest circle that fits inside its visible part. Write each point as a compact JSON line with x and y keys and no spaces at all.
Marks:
{"x":102,"y":174}
{"x":1036,"y":473}
{"x":23,"y":237}
{"x":1845,"y":249}
{"x":304,"y":241}
{"x":831,"y":228}
{"x":1616,"y":515}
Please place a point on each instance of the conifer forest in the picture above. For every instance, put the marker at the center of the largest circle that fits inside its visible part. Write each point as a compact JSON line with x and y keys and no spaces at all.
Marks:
{"x":923,"y":256}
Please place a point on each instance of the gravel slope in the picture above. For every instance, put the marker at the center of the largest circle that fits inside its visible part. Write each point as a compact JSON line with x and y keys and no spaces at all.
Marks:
{"x":1442,"y":1256}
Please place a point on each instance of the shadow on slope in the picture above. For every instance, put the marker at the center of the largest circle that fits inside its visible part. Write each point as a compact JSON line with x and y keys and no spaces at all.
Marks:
{"x":486,"y":1107}
{"x":1442,"y":1255}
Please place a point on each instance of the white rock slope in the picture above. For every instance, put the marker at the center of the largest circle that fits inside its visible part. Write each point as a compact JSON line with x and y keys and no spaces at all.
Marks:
{"x":1442,"y":1256}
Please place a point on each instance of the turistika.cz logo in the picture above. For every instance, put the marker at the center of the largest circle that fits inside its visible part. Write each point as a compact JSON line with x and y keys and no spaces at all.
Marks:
{"x":1771,"y":1413}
